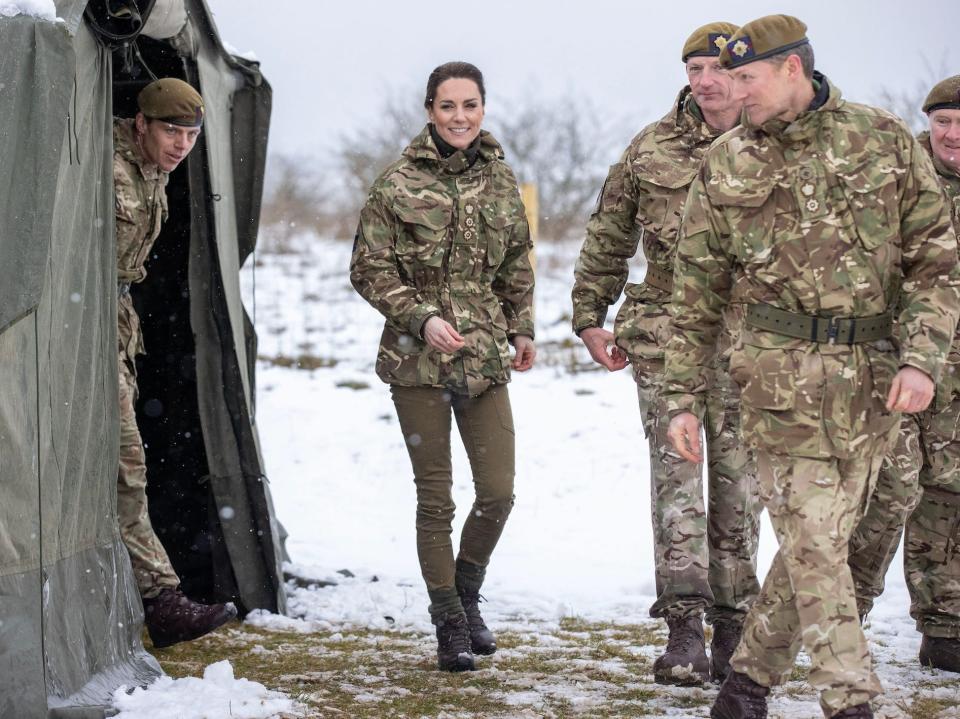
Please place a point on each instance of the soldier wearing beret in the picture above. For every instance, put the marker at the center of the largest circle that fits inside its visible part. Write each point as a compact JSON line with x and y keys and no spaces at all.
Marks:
{"x":829,"y":217}
{"x":927,"y":455}
{"x":705,"y":561}
{"x":146,"y":149}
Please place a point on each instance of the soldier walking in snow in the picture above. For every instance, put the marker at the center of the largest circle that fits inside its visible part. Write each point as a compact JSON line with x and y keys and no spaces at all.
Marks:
{"x":704,"y":561}
{"x":817,"y":214}
{"x":927,"y":455}
{"x":442,"y":251}
{"x":146,"y":149}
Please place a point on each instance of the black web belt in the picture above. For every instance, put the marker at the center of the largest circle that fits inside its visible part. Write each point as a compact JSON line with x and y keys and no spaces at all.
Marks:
{"x":814,"y":328}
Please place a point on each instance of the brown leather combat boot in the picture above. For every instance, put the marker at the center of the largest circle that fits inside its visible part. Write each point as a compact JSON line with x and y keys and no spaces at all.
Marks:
{"x":726,"y":637}
{"x":684,"y":662}
{"x":940,"y":653}
{"x":482,"y":640}
{"x":453,"y":643}
{"x":172,"y":617}
{"x":740,"y":698}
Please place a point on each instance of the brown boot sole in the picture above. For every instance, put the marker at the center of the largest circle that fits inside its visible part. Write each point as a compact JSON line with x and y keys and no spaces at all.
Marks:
{"x":678,"y":677}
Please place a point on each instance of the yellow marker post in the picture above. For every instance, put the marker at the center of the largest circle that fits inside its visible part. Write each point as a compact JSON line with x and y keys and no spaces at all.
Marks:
{"x":531,"y":201}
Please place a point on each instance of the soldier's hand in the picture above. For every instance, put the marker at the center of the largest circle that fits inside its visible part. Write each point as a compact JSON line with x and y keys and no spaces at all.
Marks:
{"x":911,"y":391}
{"x":439,"y":334}
{"x":684,"y":434}
{"x":526,"y":353}
{"x":603,"y":348}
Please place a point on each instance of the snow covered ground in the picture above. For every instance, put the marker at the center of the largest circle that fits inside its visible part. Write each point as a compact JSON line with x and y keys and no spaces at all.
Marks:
{"x":578,"y":543}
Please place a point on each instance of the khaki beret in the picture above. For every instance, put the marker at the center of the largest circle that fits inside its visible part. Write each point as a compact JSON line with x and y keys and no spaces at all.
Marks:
{"x":763,"y":38}
{"x":708,"y":41}
{"x":944,"y":95}
{"x":173,"y":101}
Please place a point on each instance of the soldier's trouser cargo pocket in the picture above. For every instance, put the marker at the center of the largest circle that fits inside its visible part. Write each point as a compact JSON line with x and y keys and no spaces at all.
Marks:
{"x":485,"y":424}
{"x":808,"y":597}
{"x":149,"y":559}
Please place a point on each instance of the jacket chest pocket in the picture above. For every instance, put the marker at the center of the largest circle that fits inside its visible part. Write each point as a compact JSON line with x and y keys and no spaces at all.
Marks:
{"x":873,"y":200}
{"x":750,"y":215}
{"x":498,"y":219}
{"x":422,"y":239}
{"x":660,"y":208}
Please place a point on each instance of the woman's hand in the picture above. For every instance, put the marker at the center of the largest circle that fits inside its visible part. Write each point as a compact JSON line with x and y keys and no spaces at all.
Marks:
{"x":526,"y":353}
{"x":439,"y":334}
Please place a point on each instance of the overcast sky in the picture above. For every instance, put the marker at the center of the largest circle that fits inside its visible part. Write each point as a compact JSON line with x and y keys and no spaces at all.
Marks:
{"x":331,"y":62}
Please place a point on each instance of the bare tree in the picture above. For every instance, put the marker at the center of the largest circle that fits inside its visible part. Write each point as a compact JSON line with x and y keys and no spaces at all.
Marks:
{"x":363,"y":153}
{"x":907,"y":103}
{"x":295,"y":200}
{"x":561,"y":146}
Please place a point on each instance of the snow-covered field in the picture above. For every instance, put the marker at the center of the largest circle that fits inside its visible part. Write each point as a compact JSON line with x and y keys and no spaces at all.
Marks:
{"x":578,"y":543}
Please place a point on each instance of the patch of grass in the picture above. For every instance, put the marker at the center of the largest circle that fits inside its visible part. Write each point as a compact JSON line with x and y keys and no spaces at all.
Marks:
{"x":369,"y":674}
{"x":353,"y":384}
{"x":928,"y":708}
{"x":302,"y":361}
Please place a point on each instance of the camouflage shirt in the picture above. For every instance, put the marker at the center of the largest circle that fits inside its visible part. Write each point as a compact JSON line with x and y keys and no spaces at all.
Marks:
{"x":141,"y":202}
{"x":642,"y":197}
{"x":830,"y":214}
{"x":949,"y":386}
{"x":439,"y":236}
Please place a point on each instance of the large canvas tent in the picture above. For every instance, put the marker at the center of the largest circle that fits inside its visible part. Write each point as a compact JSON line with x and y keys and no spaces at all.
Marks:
{"x":70,"y":615}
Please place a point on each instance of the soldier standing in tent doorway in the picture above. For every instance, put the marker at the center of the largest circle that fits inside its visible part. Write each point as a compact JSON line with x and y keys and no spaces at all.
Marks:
{"x":705,"y":561}
{"x":146,"y":149}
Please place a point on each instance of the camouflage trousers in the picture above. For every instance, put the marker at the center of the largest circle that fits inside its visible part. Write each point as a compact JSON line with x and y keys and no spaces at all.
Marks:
{"x":808,"y":597}
{"x":705,"y":561}
{"x":149,"y":559}
{"x":485,"y":423}
{"x":918,"y":487}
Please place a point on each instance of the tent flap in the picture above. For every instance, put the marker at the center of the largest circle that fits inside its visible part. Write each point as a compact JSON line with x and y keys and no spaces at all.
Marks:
{"x":37,"y":71}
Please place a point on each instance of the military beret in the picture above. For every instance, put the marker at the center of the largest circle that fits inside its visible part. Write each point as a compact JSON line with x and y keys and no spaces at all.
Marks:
{"x":173,"y":101}
{"x":763,"y":38}
{"x":944,"y":95}
{"x":707,"y":41}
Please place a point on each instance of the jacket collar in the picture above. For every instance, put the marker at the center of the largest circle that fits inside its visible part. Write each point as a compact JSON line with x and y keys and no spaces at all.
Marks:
{"x":422,"y":148}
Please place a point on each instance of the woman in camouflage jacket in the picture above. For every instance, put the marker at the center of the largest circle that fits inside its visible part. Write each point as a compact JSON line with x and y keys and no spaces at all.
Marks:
{"x":443,"y":252}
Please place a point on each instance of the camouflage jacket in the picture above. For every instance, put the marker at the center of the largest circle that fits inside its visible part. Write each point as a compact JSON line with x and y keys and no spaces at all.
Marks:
{"x":827,"y":215}
{"x":140,"y":207}
{"x":642,"y":197}
{"x":949,"y":387}
{"x":439,"y":237}
{"x":141,"y":202}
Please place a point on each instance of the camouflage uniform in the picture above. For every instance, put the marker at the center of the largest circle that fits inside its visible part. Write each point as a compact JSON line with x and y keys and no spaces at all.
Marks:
{"x":822,"y":216}
{"x":927,"y":454}
{"x":700,"y":564}
{"x":141,"y":208}
{"x":446,"y":237}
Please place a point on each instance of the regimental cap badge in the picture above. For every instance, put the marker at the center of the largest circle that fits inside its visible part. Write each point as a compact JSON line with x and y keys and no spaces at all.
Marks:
{"x":719,"y":40}
{"x":708,"y":40}
{"x":763,"y":38}
{"x":743,"y":47}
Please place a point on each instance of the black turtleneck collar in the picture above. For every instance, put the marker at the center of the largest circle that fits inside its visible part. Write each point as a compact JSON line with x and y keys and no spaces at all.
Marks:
{"x":447,"y":150}
{"x":822,"y":88}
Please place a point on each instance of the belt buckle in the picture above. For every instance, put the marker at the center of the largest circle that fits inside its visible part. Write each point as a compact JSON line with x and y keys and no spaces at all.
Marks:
{"x":833,"y":329}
